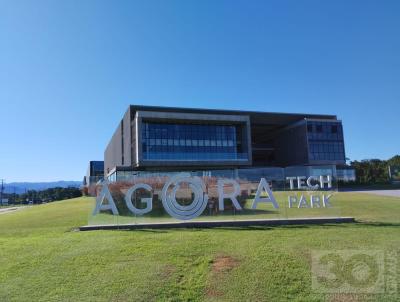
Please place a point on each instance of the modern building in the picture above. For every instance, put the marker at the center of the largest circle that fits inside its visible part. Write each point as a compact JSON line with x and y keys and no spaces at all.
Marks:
{"x":95,"y":172}
{"x":346,"y":174}
{"x":170,"y":139}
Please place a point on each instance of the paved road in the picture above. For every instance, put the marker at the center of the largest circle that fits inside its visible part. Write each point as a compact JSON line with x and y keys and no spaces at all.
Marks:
{"x":9,"y":210}
{"x":393,"y":193}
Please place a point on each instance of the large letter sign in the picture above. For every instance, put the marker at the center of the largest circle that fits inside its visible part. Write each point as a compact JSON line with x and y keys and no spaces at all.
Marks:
{"x":178,"y":211}
{"x":231,"y":196}
{"x":148,"y":201}
{"x":196,"y":189}
{"x":263,"y":185}
{"x":105,"y":194}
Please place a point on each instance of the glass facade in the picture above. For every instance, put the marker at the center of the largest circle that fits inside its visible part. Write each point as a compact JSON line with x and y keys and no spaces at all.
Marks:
{"x":346,"y":175}
{"x":276,"y":174}
{"x":95,"y":172}
{"x":167,"y":141}
{"x":325,"y":140}
{"x":97,"y":168}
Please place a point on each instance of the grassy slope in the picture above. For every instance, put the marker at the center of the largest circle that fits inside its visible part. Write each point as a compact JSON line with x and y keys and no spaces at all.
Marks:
{"x":41,"y":259}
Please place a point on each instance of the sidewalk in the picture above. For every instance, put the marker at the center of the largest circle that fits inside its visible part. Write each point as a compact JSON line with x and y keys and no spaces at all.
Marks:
{"x":9,"y":210}
{"x":392,"y":193}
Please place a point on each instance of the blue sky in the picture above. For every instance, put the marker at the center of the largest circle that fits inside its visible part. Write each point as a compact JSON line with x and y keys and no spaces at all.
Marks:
{"x":69,"y":70}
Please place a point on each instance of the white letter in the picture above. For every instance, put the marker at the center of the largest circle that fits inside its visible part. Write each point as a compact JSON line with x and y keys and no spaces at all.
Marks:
{"x":105,"y":194}
{"x":148,"y":200}
{"x":328,"y":181}
{"x":300,"y":182}
{"x":325,"y":201}
{"x":292,"y":199}
{"x":316,"y":186}
{"x":263,"y":185}
{"x":231,"y":196}
{"x":290,"y":179}
{"x":315,"y":201}
{"x":303,"y":202}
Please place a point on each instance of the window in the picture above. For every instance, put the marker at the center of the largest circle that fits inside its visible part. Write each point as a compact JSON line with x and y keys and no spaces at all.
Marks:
{"x":191,"y":141}
{"x":326,"y":143}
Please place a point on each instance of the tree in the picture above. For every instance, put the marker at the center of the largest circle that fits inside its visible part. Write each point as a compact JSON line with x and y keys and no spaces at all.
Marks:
{"x":372,"y":171}
{"x":394,"y":161}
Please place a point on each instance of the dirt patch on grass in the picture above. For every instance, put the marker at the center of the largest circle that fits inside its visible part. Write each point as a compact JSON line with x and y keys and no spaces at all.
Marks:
{"x":222,"y":264}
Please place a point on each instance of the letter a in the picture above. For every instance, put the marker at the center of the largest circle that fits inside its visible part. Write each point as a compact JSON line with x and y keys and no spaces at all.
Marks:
{"x":105,"y":194}
{"x":263,"y":185}
{"x":303,"y":202}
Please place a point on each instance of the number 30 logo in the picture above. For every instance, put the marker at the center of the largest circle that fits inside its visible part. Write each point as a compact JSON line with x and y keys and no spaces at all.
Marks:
{"x":348,"y":271}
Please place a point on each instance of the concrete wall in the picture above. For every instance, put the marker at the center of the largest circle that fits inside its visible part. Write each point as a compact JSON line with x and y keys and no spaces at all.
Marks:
{"x":134,"y":160}
{"x":127,"y":139}
{"x":119,"y":149}
{"x":113,"y":152}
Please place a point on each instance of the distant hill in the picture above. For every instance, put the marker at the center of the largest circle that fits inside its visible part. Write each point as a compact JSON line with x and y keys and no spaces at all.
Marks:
{"x":20,"y":187}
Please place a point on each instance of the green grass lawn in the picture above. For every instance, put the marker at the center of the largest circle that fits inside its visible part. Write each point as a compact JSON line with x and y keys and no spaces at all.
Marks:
{"x":44,"y":258}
